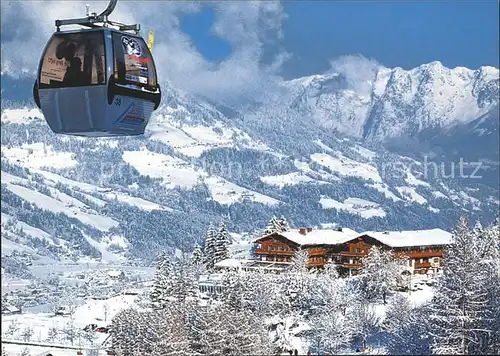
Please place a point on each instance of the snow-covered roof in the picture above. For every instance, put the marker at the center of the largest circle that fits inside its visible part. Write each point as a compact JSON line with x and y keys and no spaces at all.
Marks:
{"x":229,"y":262}
{"x":318,"y":237}
{"x":389,"y":238}
{"x":115,"y":273}
{"x":412,"y":238}
{"x":11,"y":308}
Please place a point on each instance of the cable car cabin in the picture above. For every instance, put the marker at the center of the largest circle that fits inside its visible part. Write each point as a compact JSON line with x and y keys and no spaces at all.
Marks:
{"x":97,"y":82}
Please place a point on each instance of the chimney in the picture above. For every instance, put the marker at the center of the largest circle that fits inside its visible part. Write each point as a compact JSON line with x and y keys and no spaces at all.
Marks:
{"x":309,"y":229}
{"x":302,"y":231}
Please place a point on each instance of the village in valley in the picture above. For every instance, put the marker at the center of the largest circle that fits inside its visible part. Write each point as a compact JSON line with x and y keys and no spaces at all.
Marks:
{"x":283,"y":277}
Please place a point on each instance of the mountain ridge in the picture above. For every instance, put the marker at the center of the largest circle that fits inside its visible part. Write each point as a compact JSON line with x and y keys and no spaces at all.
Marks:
{"x":196,"y":165}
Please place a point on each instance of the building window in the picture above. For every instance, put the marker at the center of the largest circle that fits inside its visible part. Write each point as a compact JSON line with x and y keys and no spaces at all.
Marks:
{"x":436,"y":259}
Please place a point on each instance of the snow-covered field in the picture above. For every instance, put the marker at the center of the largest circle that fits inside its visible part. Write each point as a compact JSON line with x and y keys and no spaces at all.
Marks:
{"x":346,"y":167}
{"x":15,"y":350}
{"x":175,"y":172}
{"x":98,"y":312}
{"x":87,"y":310}
{"x":365,"y":208}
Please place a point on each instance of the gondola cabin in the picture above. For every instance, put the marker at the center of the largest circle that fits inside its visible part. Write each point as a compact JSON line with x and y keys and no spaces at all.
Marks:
{"x":97,"y":82}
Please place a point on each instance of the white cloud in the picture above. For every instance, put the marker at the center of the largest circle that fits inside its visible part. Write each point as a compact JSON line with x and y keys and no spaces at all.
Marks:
{"x":358,"y":71}
{"x":246,"y":26}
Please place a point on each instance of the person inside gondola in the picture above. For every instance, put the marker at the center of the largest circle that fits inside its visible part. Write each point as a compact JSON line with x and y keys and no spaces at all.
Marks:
{"x":74,"y":73}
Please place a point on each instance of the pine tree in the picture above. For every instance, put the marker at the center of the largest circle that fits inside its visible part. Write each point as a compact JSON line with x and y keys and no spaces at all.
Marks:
{"x":197,"y":255}
{"x":222,"y":243}
{"x":163,"y":283}
{"x":276,"y":225}
{"x":272,"y":226}
{"x":234,"y":289}
{"x":185,"y":279}
{"x":489,"y":342}
{"x":209,"y":248}
{"x":461,"y":308}
{"x":283,"y":225}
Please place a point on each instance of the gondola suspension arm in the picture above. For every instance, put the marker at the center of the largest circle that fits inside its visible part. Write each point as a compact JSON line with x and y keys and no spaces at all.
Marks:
{"x":93,"y":20}
{"x":109,"y":9}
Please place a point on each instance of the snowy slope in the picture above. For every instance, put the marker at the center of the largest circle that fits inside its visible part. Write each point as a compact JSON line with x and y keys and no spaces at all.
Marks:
{"x":311,"y":153}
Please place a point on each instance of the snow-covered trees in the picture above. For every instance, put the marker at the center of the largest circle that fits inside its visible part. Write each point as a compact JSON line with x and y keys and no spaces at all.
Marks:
{"x":27,"y":334}
{"x":197,"y":256}
{"x":380,"y":271}
{"x":222,"y":243}
{"x":184,"y":279}
{"x":169,"y":335}
{"x":297,"y":283}
{"x":334,"y":305}
{"x":408,"y":327}
{"x":235,"y":289}
{"x":163,"y":283}
{"x":365,"y":319}
{"x":175,"y":279}
{"x":218,"y":330}
{"x":216,"y":246}
{"x":12,"y":329}
{"x":341,"y":313}
{"x":188,"y":328}
{"x":209,"y":247}
{"x":157,"y":332}
{"x":331,"y":331}
{"x":465,"y":304}
{"x":276,"y":225}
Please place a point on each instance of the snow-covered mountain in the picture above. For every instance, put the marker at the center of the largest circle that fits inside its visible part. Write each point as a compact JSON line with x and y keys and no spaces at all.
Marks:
{"x":313,"y":153}
{"x":383,"y":103}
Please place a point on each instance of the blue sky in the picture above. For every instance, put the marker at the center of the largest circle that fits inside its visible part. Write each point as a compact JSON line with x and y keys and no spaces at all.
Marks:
{"x":403,"y":33}
{"x":233,"y":50}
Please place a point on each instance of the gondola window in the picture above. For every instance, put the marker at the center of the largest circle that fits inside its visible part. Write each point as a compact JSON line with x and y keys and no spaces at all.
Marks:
{"x":73,"y":59}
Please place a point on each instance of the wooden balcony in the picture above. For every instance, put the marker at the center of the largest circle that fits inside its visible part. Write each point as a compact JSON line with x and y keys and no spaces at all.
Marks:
{"x":316,"y":263}
{"x":351,"y":265}
{"x":316,"y":251}
{"x":260,"y":251}
{"x":419,"y":265}
{"x":350,"y":254}
{"x":423,"y":254}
